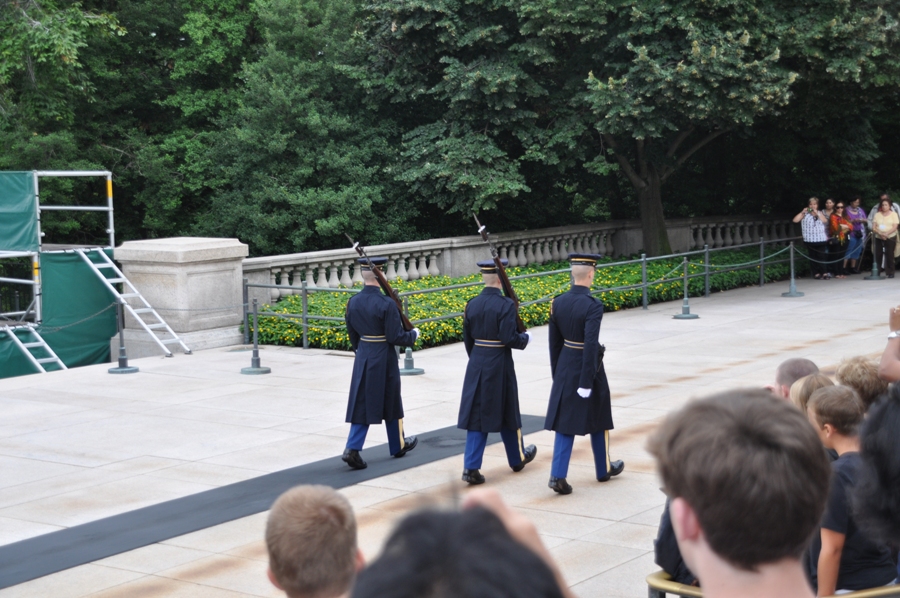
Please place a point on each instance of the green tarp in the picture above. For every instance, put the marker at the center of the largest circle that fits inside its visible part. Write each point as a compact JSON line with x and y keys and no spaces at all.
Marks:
{"x":79,"y":316}
{"x":18,"y":216}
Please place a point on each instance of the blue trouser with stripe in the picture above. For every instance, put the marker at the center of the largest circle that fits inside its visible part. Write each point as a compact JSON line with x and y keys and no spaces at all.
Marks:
{"x":394,"y":428}
{"x":476,"y":441}
{"x":562,"y":452}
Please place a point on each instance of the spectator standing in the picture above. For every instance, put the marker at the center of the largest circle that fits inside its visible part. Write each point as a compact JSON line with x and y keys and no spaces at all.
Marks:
{"x":884,"y":227}
{"x":845,"y":557}
{"x":839,"y":237}
{"x":857,"y":217}
{"x":829,"y":208}
{"x":812,"y":224}
{"x":828,"y":211}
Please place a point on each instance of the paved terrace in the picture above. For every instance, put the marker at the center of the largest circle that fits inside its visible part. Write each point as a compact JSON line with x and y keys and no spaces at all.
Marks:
{"x":82,"y":445}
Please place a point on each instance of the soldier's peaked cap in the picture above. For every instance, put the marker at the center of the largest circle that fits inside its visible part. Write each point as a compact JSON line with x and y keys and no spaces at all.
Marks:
{"x":584,"y":259}
{"x":489,"y":267}
{"x":376,"y":261}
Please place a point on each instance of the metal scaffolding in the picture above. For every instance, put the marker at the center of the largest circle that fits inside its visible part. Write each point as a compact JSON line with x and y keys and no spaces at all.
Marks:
{"x":35,"y":256}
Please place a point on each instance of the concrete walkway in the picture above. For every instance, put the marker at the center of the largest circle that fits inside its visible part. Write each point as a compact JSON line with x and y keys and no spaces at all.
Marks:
{"x":80,"y":445}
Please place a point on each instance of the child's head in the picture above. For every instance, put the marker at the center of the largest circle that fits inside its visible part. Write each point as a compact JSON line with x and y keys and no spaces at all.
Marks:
{"x":311,"y":537}
{"x":835,"y":410}
{"x":861,"y":374}
{"x":803,"y":388}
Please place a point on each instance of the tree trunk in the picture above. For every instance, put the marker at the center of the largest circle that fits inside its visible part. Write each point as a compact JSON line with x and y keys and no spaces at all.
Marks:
{"x":653,"y":223}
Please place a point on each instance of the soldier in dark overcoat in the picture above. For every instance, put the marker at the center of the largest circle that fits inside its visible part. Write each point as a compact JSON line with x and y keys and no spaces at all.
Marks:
{"x":579,"y":397}
{"x":490,"y":395}
{"x":374,"y":327}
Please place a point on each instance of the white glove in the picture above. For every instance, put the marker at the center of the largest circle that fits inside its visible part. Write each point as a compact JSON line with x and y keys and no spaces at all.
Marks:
{"x":418,"y":334}
{"x":584,"y":392}
{"x":528,"y":334}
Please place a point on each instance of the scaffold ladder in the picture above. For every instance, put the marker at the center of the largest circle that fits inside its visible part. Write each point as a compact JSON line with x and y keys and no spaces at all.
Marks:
{"x":33,"y":347}
{"x":155,"y":326}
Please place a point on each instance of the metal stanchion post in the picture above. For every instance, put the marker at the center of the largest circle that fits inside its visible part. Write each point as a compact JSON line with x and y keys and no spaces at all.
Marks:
{"x":685,"y":308}
{"x":304,"y":302}
{"x":762,"y":261}
{"x":644,"y":301}
{"x":706,"y":270}
{"x":123,"y":367}
{"x":255,"y":368}
{"x":409,"y":367}
{"x":245,"y":307}
{"x":874,"y":275}
{"x":793,"y":288}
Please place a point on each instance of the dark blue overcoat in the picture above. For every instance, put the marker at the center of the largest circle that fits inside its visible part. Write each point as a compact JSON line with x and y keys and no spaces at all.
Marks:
{"x":575,"y":316}
{"x":373,"y":323}
{"x":490,"y":395}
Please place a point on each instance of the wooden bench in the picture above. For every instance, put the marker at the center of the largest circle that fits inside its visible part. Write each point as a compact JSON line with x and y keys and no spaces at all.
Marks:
{"x":660,"y":584}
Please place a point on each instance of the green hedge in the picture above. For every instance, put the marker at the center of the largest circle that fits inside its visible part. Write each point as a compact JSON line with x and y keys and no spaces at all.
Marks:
{"x":275,"y":330}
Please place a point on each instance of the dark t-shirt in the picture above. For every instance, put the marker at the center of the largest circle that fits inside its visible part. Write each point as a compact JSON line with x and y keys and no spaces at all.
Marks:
{"x":668,"y":556}
{"x":864,"y":564}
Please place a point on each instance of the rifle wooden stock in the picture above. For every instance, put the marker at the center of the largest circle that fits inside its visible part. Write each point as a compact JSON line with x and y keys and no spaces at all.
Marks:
{"x":386,"y":287}
{"x":508,"y":289}
{"x":509,"y":292}
{"x":390,"y":292}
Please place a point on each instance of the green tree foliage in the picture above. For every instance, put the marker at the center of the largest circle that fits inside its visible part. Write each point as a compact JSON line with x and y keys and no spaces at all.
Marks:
{"x":305,"y":158}
{"x":148,"y":100}
{"x":41,"y":70}
{"x":493,"y":94}
{"x":501,"y":90}
{"x":289,"y":122}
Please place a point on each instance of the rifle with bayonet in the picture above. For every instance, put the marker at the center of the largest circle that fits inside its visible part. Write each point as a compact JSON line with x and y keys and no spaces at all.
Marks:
{"x":501,"y":272}
{"x":383,"y":283}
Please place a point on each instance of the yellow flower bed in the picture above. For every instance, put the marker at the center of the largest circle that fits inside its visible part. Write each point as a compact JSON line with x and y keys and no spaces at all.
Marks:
{"x":333,"y":335}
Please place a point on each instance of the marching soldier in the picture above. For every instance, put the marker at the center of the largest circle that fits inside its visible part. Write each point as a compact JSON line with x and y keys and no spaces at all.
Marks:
{"x":490,"y":396}
{"x":579,"y":397}
{"x":373,"y":323}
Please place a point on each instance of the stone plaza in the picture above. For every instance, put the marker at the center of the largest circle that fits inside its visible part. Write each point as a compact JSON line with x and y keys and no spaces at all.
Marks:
{"x":83,"y":445}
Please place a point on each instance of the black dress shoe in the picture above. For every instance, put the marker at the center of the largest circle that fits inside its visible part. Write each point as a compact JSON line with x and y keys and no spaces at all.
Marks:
{"x":472,"y":476}
{"x":408,"y":445}
{"x":351,"y":457}
{"x":530,"y":452}
{"x":615,"y":468}
{"x":560,"y":485}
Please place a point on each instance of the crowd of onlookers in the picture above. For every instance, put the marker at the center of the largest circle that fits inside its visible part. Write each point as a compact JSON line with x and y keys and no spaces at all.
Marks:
{"x":835,"y":235}
{"x":789,"y":491}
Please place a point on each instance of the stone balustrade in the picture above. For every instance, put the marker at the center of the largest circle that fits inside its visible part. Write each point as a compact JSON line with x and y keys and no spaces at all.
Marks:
{"x":728,"y":232}
{"x":456,"y":256}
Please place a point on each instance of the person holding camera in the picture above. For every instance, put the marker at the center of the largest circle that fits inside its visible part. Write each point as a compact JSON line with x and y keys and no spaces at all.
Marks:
{"x":812,"y":224}
{"x":839,"y":237}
